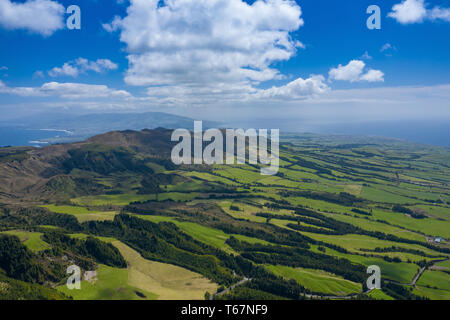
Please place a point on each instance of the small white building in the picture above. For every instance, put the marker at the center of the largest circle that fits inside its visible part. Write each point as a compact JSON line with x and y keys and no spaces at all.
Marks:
{"x":90,"y":276}
{"x":438,"y":239}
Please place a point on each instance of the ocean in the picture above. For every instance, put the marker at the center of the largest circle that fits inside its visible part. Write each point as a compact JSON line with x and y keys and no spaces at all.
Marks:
{"x":11,"y":136}
{"x":433,"y":133}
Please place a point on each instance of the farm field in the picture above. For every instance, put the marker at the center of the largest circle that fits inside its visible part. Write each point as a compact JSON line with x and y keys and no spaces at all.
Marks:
{"x":400,"y":272}
{"x":355,"y":242}
{"x":168,"y":282}
{"x":111,"y":284}
{"x":32,"y":240}
{"x":214,"y":237}
{"x":435,"y":279}
{"x":154,"y":230}
{"x":445,"y":264}
{"x":317,"y":280}
{"x":124,"y":199}
{"x":433,"y":294}
{"x":379,"y":295}
{"x":83,"y":214}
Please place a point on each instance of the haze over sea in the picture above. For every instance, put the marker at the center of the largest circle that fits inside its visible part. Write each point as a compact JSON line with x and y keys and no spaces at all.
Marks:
{"x":432,"y":133}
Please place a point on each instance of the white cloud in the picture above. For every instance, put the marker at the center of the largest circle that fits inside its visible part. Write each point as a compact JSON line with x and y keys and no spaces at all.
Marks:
{"x":113,"y":26}
{"x":38,"y":74}
{"x":351,"y":72}
{"x":366,"y":56}
{"x":81,"y":65}
{"x":338,"y":106}
{"x":65,"y":90}
{"x":3,"y":68}
{"x":373,"y":76}
{"x":409,"y":11}
{"x":415,"y":11}
{"x":38,"y":16}
{"x":208,"y":95}
{"x":65,"y":70}
{"x":354,"y":72}
{"x":438,"y":13}
{"x":298,"y":89}
{"x":101,"y":65}
{"x":388,"y":49}
{"x":387,"y":46}
{"x":227,"y":46}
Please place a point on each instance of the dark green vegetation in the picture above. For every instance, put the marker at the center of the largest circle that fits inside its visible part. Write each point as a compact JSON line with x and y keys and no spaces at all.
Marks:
{"x":337,"y":206}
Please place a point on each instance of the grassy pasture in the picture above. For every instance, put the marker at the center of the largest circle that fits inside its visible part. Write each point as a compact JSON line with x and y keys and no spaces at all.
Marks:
{"x":439,"y":212}
{"x":111,"y":284}
{"x":83,"y":214}
{"x":317,"y":280}
{"x":142,"y":280}
{"x":401,"y":272}
{"x":379,"y":295}
{"x":435,"y":279}
{"x":207,"y":235}
{"x":360,"y":167}
{"x":167,"y":281}
{"x":74,"y":210}
{"x":32,"y":240}
{"x":428,"y":226}
{"x":354,"y":242}
{"x":370,"y":225}
{"x":246,"y":211}
{"x":208,"y":177}
{"x":84,"y":236}
{"x":125,"y":199}
{"x":380,"y":195}
{"x":433,"y":294}
{"x":211,"y":236}
{"x":319,"y":205}
{"x":238,"y":174}
{"x":445,"y":264}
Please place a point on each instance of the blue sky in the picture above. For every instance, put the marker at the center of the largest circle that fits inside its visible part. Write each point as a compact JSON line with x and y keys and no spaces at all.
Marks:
{"x":311,"y":59}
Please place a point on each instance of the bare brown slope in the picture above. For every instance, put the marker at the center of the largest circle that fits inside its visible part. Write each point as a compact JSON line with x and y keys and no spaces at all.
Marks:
{"x":27,"y":175}
{"x":152,"y":142}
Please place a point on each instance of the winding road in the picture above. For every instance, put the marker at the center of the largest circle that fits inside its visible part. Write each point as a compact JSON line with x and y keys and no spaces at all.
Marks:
{"x":230,"y":288}
{"x":351,"y":296}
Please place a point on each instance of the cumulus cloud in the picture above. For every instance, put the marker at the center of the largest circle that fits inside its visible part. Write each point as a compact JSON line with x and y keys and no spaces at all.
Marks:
{"x":297,"y":89}
{"x":38,"y":16}
{"x":113,"y":26}
{"x":354,"y":72}
{"x":415,"y":11}
{"x":65,"y":70}
{"x":438,"y":13}
{"x":224,"y":45}
{"x":373,"y":76}
{"x":350,"y":72}
{"x":65,"y":90}
{"x":409,"y":11}
{"x":81,"y":65}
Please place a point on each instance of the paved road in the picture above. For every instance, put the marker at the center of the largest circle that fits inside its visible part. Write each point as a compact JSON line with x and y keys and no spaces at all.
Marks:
{"x":312,"y":296}
{"x":419,"y":274}
{"x":413,"y":283}
{"x":230,"y":288}
{"x":309,"y":296}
